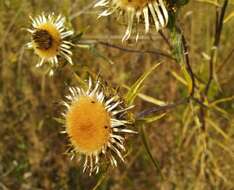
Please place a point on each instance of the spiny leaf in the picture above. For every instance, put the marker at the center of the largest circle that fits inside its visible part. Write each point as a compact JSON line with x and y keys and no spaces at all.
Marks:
{"x":222,"y":100}
{"x":229,"y":17}
{"x":147,"y":149}
{"x":224,"y":147}
{"x":176,"y":40}
{"x":100,"y":181}
{"x":135,"y":88}
{"x":179,"y":78}
{"x":149,"y":99}
{"x":187,"y":78}
{"x":224,"y":113}
{"x":152,"y":118}
{"x":218,"y":129}
{"x":80,"y":80}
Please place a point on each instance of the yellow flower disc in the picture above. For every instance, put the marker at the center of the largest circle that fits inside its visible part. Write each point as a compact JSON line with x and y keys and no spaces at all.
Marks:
{"x":88,"y":125}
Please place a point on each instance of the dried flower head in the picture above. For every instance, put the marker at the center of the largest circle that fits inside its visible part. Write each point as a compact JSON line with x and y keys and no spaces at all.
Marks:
{"x":96,"y":124}
{"x":49,"y":39}
{"x":147,"y":10}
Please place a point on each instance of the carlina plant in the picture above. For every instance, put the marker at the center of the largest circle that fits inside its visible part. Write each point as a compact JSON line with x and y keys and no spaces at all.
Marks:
{"x":98,"y":118}
{"x":96,"y":121}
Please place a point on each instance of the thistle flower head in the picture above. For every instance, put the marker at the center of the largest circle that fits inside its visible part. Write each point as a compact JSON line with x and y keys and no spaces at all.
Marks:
{"x":138,"y":10}
{"x":49,"y":39}
{"x":96,"y":124}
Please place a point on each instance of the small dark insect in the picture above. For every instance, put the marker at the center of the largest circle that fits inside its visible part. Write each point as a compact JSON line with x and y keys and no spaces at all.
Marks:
{"x":43,"y":39}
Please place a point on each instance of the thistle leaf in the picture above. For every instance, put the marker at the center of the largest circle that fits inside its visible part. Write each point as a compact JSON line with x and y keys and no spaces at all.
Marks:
{"x":135,"y":88}
{"x":147,"y":149}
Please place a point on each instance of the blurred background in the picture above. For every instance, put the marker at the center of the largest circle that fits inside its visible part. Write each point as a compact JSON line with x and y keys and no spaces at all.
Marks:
{"x":32,"y":150}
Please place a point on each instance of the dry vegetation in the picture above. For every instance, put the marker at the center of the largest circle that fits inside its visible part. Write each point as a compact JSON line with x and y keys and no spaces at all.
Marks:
{"x":193,"y":143}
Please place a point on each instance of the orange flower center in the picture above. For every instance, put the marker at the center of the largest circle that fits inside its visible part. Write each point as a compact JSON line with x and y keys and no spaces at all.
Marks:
{"x":88,"y":125}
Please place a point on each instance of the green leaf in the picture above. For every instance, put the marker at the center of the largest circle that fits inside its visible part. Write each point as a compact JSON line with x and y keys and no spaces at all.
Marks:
{"x":224,"y":147}
{"x":176,"y":40}
{"x":187,"y":78}
{"x":148,"y":98}
{"x":229,"y":17}
{"x":135,"y":88}
{"x":147,"y":149}
{"x":224,"y":113}
{"x":101,"y":180}
{"x":179,"y":78}
{"x":80,"y":80}
{"x":151,"y":100}
{"x":152,"y":118}
{"x":222,"y":100}
{"x":218,"y":129}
